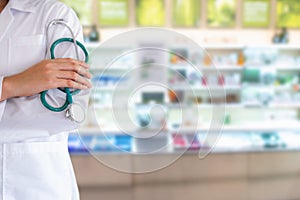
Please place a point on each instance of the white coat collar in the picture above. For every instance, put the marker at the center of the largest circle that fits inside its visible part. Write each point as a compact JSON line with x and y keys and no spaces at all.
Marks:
{"x":22,"y":5}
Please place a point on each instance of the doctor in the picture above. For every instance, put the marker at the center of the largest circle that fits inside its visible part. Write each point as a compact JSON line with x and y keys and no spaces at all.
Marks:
{"x":34,"y":159}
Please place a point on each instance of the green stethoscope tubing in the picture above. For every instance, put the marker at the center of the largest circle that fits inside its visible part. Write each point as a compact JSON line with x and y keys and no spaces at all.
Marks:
{"x":69,"y":94}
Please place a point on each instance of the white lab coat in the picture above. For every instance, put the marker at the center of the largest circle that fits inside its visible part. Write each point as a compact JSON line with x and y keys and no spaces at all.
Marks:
{"x":34,"y":159}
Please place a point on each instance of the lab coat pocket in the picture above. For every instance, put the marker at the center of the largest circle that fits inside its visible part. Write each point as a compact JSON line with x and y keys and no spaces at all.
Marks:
{"x":26,"y":51}
{"x":36,"y":170}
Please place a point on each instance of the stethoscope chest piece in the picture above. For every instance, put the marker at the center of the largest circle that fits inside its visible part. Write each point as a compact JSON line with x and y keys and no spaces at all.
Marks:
{"x":75,"y":113}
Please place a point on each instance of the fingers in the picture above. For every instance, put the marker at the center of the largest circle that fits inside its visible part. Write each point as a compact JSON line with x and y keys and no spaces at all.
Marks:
{"x":78,"y":69}
{"x":67,"y":64}
{"x":71,"y":62}
{"x":70,"y":84}
{"x":70,"y":75}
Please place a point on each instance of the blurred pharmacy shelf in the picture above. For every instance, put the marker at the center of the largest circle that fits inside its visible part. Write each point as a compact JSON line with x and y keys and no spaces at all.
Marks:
{"x":172,"y":143}
{"x":256,"y":86}
{"x":96,"y":45}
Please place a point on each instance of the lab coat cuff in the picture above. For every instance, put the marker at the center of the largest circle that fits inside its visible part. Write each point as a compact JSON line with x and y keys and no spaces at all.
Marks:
{"x":1,"y":81}
{"x":2,"y":103}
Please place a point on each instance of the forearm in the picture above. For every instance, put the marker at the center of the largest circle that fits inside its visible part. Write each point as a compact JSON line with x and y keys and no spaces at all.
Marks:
{"x":46,"y":75}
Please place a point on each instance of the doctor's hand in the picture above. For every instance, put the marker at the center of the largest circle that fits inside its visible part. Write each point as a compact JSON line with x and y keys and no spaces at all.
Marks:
{"x":48,"y":74}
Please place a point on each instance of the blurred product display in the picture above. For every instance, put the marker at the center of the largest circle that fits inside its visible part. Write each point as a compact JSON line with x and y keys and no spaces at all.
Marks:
{"x":91,"y":34}
{"x":281,"y":37}
{"x":145,"y":10}
{"x":186,"y":13}
{"x":112,"y":13}
{"x":94,"y":34}
{"x":99,"y":143}
{"x":229,"y":142}
{"x":261,"y":87}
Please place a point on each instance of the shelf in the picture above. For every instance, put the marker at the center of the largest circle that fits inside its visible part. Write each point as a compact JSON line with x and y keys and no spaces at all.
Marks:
{"x":88,"y":131}
{"x":235,"y":105}
{"x":110,"y":107}
{"x":269,"y":87}
{"x":240,"y":46}
{"x":223,"y":68}
{"x":101,"y":88}
{"x":287,"y":68}
{"x":212,"y":106}
{"x":223,"y":46}
{"x":184,"y":87}
{"x":102,"y":69}
{"x":93,"y":45}
{"x":203,"y":106}
{"x":261,"y":106}
{"x":284,"y":105}
{"x":274,"y":125}
{"x":192,"y":152}
{"x":99,"y":131}
{"x":266,"y":126}
{"x":227,"y":105}
{"x":271,"y":125}
{"x":275,"y":46}
{"x":210,"y":68}
{"x":207,"y":88}
{"x":281,"y":88}
{"x":228,"y":142}
{"x":275,"y":66}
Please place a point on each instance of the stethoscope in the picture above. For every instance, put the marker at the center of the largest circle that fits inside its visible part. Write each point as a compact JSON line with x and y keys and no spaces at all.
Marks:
{"x":74,"y":111}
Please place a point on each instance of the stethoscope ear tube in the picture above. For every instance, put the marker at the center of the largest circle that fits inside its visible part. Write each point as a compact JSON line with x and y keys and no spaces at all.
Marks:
{"x":61,"y":40}
{"x":69,"y":100}
{"x":49,"y":107}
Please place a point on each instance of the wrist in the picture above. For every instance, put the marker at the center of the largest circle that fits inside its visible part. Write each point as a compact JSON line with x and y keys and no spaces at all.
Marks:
{"x":7,"y":88}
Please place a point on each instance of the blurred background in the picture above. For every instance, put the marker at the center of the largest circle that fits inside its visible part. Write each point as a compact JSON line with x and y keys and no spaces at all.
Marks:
{"x":251,"y":65}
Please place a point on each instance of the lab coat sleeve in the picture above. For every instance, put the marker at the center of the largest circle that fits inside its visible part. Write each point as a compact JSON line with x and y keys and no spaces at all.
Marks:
{"x":26,"y":117}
